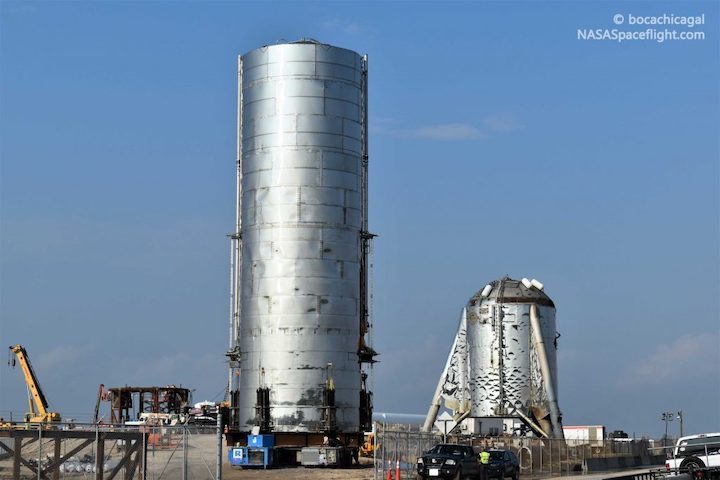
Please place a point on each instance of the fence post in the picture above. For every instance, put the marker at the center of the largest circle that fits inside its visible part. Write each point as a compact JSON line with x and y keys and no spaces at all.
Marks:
{"x":408,"y":456}
{"x":99,"y":455}
{"x":397,"y":449}
{"x":185,"y":456}
{"x":375,"y":444}
{"x":39,"y":462}
{"x":56,"y":460}
{"x":219,"y":455}
{"x":17,"y":447}
{"x":144,"y":457}
{"x":383,"y":445}
{"x":151,"y":440}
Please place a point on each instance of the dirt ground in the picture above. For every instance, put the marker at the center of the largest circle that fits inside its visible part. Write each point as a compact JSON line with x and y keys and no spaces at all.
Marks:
{"x":166,"y":464}
{"x":363,"y":472}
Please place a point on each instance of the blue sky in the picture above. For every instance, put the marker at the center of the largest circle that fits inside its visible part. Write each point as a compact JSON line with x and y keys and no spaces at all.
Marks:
{"x":500,"y":144}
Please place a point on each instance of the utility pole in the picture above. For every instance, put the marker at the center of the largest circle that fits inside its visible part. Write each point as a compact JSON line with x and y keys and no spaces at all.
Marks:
{"x":680,"y":417}
{"x":666,"y":417}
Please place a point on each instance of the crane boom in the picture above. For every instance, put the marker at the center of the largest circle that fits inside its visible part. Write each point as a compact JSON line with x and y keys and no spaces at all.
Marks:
{"x":39,"y":409}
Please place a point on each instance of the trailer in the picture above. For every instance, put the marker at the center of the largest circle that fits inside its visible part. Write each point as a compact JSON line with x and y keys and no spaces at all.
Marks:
{"x":703,"y":473}
{"x":262,"y":451}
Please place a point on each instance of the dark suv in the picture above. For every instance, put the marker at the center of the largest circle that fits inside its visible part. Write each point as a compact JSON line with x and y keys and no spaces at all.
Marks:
{"x":503,"y":464}
{"x":448,"y":460}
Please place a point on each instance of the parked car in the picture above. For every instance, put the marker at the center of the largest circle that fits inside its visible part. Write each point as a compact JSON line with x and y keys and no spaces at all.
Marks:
{"x":503,"y":464}
{"x":695,"y":451}
{"x":448,"y":460}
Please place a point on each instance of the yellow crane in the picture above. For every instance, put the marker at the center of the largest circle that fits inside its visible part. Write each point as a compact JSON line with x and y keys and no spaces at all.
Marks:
{"x":39,"y":409}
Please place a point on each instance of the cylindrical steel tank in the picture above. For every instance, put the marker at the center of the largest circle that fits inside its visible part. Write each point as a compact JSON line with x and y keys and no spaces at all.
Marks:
{"x":302,"y":117}
{"x":506,"y":373}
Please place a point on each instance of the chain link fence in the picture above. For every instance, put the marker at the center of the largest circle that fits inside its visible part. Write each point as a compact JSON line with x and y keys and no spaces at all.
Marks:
{"x":182,"y":452}
{"x":187,"y":452}
{"x":398,"y":446}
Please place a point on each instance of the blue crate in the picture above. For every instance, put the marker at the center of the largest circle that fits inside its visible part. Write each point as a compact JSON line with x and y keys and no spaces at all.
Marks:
{"x":238,"y":456}
{"x":251,"y":457}
{"x":261,"y":440}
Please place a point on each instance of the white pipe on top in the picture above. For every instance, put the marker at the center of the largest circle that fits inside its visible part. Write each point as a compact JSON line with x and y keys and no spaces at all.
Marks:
{"x":539,"y":344}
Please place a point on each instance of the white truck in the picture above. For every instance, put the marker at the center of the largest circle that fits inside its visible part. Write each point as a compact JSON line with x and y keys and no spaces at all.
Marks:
{"x":695,"y":452}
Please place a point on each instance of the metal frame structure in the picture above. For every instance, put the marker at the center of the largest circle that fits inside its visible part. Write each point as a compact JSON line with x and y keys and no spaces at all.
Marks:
{"x":132,"y":461}
{"x":169,"y":399}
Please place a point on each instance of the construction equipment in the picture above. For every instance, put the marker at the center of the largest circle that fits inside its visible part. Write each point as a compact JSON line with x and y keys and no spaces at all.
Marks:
{"x":38,"y":406}
{"x":368,"y":447}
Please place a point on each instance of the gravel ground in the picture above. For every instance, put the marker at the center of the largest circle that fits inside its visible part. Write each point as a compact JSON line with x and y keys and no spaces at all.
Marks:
{"x":363,"y":472}
{"x":167,"y":464}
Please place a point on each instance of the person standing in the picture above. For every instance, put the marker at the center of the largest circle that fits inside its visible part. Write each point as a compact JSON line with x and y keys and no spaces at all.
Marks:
{"x":484,"y":458}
